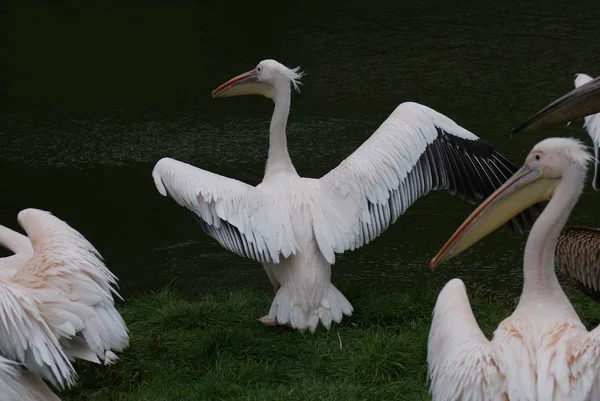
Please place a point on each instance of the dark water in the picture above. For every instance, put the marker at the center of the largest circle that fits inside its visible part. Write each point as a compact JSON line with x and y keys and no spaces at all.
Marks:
{"x":92,"y":96}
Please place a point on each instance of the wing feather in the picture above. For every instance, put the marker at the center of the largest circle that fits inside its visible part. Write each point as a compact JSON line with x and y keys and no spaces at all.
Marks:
{"x":414,"y":151}
{"x":237,"y":215}
{"x":16,"y":385}
{"x":14,"y":241}
{"x":463,"y":365}
{"x":27,"y":338}
{"x":18,"y":244}
{"x":75,"y":289}
{"x":570,"y":367}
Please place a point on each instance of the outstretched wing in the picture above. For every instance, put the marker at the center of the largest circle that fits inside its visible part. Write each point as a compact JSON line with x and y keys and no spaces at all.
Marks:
{"x":463,"y":364}
{"x":17,"y":385}
{"x":232,"y":212}
{"x":74,"y":287}
{"x":414,"y":151}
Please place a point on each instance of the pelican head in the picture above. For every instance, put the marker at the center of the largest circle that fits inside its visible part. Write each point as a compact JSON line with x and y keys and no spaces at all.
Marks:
{"x":547,"y":164}
{"x":264,"y":79}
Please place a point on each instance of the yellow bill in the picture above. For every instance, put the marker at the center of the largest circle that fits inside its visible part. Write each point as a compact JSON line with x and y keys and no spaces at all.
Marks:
{"x":524,"y":189}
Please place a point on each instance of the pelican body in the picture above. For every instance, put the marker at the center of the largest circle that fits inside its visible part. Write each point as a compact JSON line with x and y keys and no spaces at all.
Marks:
{"x":294,"y":225}
{"x":542,"y":351}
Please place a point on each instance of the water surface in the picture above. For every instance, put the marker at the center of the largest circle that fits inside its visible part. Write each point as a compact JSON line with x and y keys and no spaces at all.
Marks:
{"x":94,"y":95}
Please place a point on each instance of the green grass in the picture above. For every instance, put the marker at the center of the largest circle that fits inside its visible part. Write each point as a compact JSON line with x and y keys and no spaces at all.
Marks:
{"x":214,"y":349}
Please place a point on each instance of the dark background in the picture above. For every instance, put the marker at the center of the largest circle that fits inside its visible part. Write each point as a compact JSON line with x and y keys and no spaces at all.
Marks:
{"x":94,"y":93}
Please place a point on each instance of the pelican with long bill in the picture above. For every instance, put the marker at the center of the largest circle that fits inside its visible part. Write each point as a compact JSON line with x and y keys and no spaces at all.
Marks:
{"x":542,"y":351}
{"x":295,"y":226}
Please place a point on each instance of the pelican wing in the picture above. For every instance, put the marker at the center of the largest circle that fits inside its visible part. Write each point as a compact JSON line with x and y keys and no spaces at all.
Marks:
{"x":16,"y":243}
{"x":463,"y":365}
{"x":27,"y":338}
{"x":414,"y":151}
{"x":236,"y":214}
{"x":16,"y":385}
{"x":67,"y":275}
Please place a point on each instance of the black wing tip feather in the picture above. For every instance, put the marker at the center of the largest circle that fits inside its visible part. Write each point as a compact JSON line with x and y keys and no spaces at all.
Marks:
{"x":484,"y":169}
{"x":469,"y":169}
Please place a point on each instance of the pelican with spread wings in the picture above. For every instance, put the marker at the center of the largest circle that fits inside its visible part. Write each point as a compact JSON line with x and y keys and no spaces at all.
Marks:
{"x":295,"y":226}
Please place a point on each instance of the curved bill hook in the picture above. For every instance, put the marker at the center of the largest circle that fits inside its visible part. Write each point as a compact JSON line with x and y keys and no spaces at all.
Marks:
{"x":578,"y":103}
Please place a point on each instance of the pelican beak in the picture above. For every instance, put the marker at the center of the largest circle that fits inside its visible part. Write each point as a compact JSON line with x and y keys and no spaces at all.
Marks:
{"x":580,"y":102}
{"x":524,"y":189}
{"x":247,"y":83}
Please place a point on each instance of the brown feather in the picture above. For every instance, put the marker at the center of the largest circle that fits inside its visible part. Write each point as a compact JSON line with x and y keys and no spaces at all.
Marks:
{"x":578,"y":256}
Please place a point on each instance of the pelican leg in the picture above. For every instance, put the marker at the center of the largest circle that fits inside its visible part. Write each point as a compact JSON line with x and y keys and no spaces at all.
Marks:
{"x":273,"y":322}
{"x":265,"y":319}
{"x":269,"y":269}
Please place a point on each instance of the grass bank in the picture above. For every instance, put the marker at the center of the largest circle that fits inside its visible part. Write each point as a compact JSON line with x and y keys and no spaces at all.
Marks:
{"x":214,"y":349}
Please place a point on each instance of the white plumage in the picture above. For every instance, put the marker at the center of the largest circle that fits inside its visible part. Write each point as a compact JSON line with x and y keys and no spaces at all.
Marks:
{"x":592,"y":124}
{"x":295,"y":225}
{"x":18,"y":385}
{"x":28,"y":339}
{"x":542,"y":351}
{"x":56,"y":300}
{"x":19,"y":245}
{"x":463,"y":364}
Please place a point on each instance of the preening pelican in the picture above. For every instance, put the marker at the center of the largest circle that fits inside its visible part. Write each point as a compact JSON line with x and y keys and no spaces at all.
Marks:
{"x":295,"y":225}
{"x":56,"y":301}
{"x":542,"y":351}
{"x":583,"y":101}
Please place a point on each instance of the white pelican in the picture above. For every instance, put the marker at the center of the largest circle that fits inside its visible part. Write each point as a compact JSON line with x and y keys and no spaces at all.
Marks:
{"x":56,"y":300}
{"x":295,"y":225}
{"x":577,"y":247}
{"x":583,"y":101}
{"x":542,"y":351}
{"x":18,"y":385}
